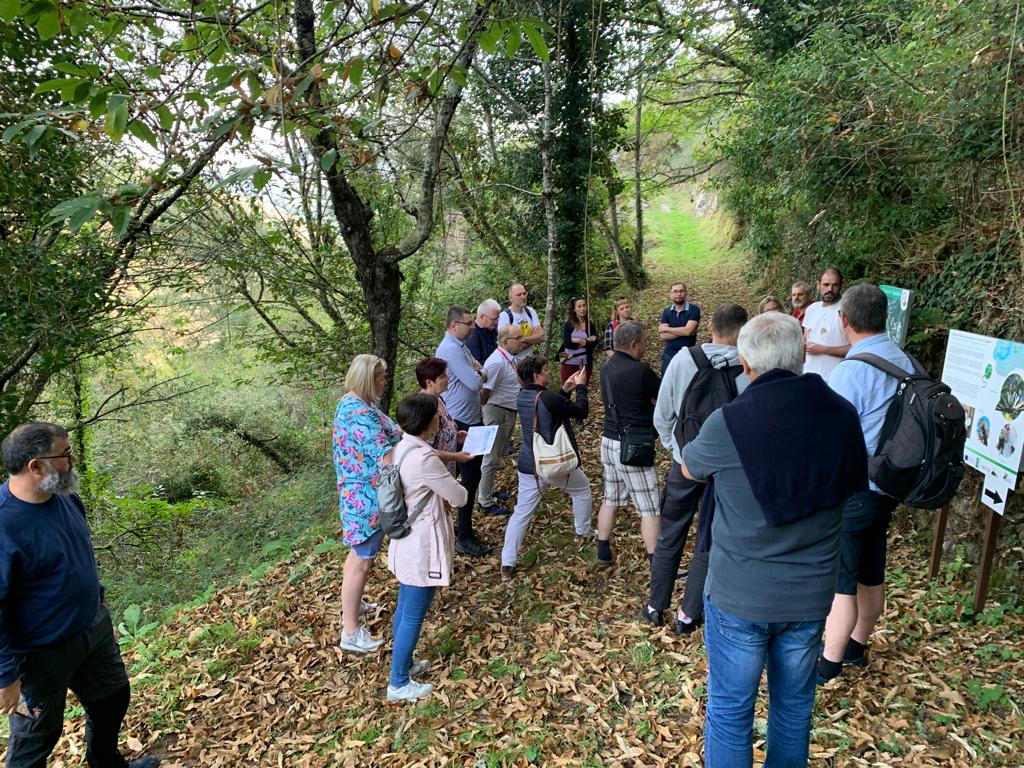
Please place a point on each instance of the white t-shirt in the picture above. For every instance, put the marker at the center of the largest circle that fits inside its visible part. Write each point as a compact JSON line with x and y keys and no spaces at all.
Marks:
{"x":822,"y":326}
{"x":527,"y":320}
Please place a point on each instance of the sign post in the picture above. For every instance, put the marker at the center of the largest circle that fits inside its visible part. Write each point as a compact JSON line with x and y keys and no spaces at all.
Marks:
{"x":987,"y":376}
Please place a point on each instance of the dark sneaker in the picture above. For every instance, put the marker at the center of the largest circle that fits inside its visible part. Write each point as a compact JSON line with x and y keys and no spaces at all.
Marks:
{"x":856,"y":661}
{"x":145,"y":762}
{"x":651,"y":616}
{"x":507,"y":572}
{"x":472,"y":547}
{"x":681,"y":627}
{"x":494,"y":509}
{"x":502,"y":495}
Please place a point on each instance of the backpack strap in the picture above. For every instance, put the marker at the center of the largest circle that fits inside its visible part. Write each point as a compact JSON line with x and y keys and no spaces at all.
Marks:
{"x":418,"y":510}
{"x":509,"y":313}
{"x":886,"y":367}
{"x":699,"y":358}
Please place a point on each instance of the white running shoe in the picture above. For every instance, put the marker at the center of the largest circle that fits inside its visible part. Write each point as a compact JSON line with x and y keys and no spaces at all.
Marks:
{"x":419,"y":666}
{"x":360,"y":641}
{"x":411,"y":691}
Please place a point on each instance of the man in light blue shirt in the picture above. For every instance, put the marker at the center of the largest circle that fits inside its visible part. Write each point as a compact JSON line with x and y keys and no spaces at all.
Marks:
{"x":465,"y":379}
{"x":860,"y":590}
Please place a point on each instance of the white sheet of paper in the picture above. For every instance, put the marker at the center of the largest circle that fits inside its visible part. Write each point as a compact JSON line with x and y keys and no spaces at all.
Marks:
{"x":480,"y":439}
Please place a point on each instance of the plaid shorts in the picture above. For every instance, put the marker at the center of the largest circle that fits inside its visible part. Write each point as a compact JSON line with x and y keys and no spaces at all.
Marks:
{"x":622,"y":483}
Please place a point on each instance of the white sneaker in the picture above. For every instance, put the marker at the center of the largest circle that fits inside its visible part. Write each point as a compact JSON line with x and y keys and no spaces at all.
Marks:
{"x":360,"y":641}
{"x":366,"y":607}
{"x":410,"y":691}
{"x":419,"y":666}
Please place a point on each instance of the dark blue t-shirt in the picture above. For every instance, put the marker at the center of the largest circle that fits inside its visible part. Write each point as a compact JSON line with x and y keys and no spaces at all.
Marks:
{"x":49,"y":585}
{"x":678,"y":320}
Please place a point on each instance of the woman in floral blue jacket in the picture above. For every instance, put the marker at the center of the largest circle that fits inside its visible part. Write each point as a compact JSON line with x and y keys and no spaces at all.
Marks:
{"x":364,"y":437}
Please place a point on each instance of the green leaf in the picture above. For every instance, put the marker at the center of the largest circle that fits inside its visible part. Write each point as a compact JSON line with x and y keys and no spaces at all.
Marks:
{"x":48,"y":26}
{"x":115,"y":101}
{"x":328,"y":159}
{"x":9,"y":9}
{"x":141,"y":131}
{"x":458,"y":74}
{"x":121,"y":217}
{"x":240,"y":175}
{"x":116,"y":122}
{"x":35,"y":134}
{"x":355,"y":71}
{"x":165,"y":116}
{"x":488,"y":39}
{"x":68,"y":68}
{"x":15,"y":130}
{"x":55,"y":85}
{"x":260,"y":178}
{"x":77,"y":210}
{"x":514,"y":39}
{"x":536,"y":41}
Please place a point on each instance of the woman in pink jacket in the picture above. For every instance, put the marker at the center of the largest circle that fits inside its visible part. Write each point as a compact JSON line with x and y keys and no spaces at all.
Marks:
{"x":422,"y":560}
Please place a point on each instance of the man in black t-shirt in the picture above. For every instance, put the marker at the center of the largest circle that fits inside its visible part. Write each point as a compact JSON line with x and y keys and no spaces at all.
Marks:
{"x":629,"y":390}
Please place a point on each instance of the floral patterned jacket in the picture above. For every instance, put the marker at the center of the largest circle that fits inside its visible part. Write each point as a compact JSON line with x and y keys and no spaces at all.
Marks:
{"x":363,"y":435}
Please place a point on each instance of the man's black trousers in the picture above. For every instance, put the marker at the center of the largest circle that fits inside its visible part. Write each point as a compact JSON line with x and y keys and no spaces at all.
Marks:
{"x":678,"y":504}
{"x":90,"y":664}
{"x":469,"y":476}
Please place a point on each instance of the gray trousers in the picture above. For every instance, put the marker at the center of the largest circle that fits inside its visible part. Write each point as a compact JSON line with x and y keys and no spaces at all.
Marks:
{"x":506,"y":421}
{"x":530,"y":490}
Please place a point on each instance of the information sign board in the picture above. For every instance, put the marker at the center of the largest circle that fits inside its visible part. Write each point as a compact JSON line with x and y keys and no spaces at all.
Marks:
{"x":987,"y":376}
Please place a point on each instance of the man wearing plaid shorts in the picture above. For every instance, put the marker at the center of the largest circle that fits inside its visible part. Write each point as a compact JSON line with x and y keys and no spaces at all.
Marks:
{"x":629,"y":390}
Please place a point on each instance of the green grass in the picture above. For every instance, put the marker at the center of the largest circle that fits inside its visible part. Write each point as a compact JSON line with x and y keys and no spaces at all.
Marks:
{"x":681,"y":241}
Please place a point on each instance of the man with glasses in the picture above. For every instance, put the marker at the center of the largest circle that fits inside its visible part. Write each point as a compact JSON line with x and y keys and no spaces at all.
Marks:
{"x":55,"y":630}
{"x":465,"y":379}
{"x":484,"y":339}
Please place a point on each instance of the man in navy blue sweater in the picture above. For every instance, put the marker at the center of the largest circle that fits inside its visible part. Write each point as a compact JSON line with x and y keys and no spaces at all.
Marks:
{"x":55,"y":631}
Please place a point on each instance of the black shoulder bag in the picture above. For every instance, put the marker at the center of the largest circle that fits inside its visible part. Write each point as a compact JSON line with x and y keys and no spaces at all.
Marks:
{"x":636,"y":444}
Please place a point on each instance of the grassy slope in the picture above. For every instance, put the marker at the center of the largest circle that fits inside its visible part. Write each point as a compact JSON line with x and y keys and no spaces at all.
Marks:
{"x":553,"y":668}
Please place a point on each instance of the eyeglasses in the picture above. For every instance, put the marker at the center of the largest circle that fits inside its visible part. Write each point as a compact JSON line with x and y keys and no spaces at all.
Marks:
{"x":69,"y":455}
{"x":464,"y":322}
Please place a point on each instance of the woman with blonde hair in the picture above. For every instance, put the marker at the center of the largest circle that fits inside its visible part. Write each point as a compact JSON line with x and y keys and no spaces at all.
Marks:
{"x":622,"y":310}
{"x":364,"y":437}
{"x":769,"y":304}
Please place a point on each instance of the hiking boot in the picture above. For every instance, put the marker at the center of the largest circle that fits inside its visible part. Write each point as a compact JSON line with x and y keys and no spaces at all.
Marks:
{"x":494,"y":509}
{"x":360,"y":641}
{"x":472,"y":547}
{"x":651,"y":616}
{"x":508,"y":572}
{"x":149,"y":761}
{"x":419,"y":666}
{"x":411,"y":691}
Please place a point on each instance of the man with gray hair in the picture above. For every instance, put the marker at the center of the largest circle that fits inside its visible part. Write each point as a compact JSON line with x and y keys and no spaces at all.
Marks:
{"x":860,"y":590}
{"x":499,"y":396}
{"x":55,"y":630}
{"x":629,"y":389}
{"x":800,"y":298}
{"x":775,"y":540}
{"x":484,"y":338}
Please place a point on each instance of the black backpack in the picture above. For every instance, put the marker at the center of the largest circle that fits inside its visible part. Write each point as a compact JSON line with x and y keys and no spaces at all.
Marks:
{"x":920,"y":455}
{"x":709,"y":390}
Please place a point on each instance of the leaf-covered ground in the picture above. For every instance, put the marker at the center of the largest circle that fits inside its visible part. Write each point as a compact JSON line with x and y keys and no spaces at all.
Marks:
{"x":551,"y":669}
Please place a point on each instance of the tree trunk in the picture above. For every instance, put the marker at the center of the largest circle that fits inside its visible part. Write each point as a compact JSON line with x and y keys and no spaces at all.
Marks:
{"x":550,"y":215}
{"x":638,"y":198}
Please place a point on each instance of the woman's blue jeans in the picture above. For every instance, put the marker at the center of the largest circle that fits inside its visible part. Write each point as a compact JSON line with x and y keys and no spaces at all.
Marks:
{"x":413,"y":603}
{"x":738,"y":651}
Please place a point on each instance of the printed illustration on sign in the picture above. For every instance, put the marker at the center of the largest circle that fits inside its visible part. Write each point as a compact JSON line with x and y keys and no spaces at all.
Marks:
{"x":898,"y":315}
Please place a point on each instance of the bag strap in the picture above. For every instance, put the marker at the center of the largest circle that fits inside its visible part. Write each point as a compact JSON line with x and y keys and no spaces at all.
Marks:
{"x":699,"y":358}
{"x":886,"y":367}
{"x":509,"y":313}
{"x":423,"y":502}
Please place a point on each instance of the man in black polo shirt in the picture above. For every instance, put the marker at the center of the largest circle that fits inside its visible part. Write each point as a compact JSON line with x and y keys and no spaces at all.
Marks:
{"x":629,"y":389}
{"x":677,"y":326}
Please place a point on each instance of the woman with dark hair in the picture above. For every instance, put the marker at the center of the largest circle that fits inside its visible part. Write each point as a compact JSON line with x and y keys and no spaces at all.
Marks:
{"x":432,"y":375}
{"x":553,"y":410}
{"x":579,"y":339}
{"x":421,"y":560}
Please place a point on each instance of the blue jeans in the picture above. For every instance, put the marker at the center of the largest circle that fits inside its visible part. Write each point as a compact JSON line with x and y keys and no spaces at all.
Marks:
{"x":412,"y":607}
{"x":738,"y":651}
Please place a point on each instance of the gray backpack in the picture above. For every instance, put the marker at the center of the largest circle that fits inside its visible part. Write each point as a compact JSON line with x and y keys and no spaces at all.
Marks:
{"x":395,"y":520}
